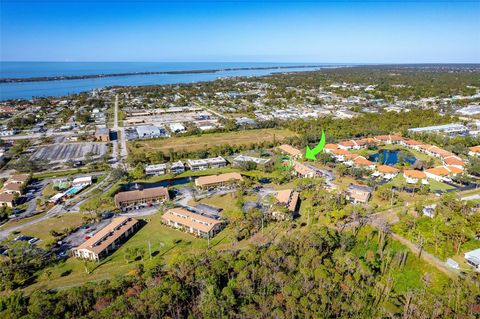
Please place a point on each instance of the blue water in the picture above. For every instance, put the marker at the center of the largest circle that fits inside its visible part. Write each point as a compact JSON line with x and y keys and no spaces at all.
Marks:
{"x":27,"y":90}
{"x":392,"y":157}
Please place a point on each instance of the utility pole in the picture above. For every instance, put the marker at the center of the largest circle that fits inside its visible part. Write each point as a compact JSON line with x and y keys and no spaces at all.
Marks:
{"x":150,"y":249}
{"x":208,"y":238}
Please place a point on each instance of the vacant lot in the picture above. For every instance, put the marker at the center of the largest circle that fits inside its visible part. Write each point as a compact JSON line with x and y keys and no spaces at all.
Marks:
{"x":192,"y":143}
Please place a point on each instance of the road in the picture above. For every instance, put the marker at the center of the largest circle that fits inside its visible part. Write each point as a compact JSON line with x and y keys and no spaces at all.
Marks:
{"x":57,"y":209}
{"x":121,"y":131}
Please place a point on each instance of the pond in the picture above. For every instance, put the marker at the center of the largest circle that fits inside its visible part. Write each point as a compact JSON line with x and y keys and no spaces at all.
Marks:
{"x":392,"y":157}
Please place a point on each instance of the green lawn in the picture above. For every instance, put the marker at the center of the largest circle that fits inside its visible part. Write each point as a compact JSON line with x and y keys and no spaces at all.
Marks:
{"x":174,"y":242}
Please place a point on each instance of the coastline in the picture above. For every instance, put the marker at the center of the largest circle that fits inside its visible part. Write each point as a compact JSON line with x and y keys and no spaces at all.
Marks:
{"x":94,"y":76}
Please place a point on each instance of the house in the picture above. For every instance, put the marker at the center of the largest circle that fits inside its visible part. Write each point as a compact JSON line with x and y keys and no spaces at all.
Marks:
{"x":473,"y":258}
{"x":7,"y":200}
{"x":290,"y":150}
{"x":82,"y":181}
{"x":261,"y":163}
{"x":413,"y":176}
{"x":102,"y":134}
{"x":443,"y":173}
{"x":474,"y":151}
{"x":140,"y":198}
{"x":155,"y":170}
{"x":193,"y":223}
{"x":387,"y":172}
{"x":107,"y":240}
{"x":203,"y":164}
{"x":205,"y":182}
{"x":358,"y":193}
{"x":301,"y":170}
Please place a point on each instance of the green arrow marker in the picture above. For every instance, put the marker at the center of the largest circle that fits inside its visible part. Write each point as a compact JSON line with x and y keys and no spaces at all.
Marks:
{"x":310,"y":154}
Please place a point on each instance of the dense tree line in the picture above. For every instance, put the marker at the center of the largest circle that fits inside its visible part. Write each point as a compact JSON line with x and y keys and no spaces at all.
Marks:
{"x":314,"y":274}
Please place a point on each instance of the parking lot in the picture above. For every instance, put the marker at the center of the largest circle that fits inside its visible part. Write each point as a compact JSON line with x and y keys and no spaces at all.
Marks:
{"x":73,"y":151}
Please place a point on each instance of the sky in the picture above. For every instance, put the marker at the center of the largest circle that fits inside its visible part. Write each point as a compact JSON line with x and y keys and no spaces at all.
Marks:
{"x":335,"y":31}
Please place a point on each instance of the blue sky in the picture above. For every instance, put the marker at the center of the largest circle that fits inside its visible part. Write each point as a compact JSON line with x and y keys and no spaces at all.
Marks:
{"x":248,"y":30}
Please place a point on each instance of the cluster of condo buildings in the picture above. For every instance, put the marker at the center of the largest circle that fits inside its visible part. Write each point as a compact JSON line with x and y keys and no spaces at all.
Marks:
{"x":12,"y":189}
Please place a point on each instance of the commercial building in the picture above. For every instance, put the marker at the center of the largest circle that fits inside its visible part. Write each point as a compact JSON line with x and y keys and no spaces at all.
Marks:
{"x":447,"y":129}
{"x":193,"y":223}
{"x":107,"y":239}
{"x":82,"y":181}
{"x":140,"y":198}
{"x":205,"y":182}
{"x":261,"y":163}
{"x":102,"y":134}
{"x":203,"y":164}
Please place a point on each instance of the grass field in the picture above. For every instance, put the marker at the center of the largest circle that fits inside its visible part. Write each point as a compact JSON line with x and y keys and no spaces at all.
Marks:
{"x":204,"y":141}
{"x":58,"y":223}
{"x":166,"y":244}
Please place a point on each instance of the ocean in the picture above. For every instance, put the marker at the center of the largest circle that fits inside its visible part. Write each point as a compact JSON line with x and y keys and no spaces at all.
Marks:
{"x":27,"y":90}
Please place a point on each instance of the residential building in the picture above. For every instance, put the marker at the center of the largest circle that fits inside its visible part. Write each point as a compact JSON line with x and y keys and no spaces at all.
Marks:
{"x":7,"y":200}
{"x":413,"y":176}
{"x":358,"y":193}
{"x":140,"y":198}
{"x":289,"y":199}
{"x":474,"y":151}
{"x":211,"y":181}
{"x":290,"y":150}
{"x":154,"y":170}
{"x":386,"y":172}
{"x":455,"y":161}
{"x":193,"y":223}
{"x":102,"y":134}
{"x":107,"y":240}
{"x":261,"y":163}
{"x":473,"y":258}
{"x":443,"y":173}
{"x":177,"y":167}
{"x":302,"y":170}
{"x":203,"y":164}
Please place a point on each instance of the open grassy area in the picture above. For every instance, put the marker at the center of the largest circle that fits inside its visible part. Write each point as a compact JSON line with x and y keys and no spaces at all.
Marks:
{"x":58,"y":223}
{"x":18,"y":222}
{"x":166,"y":243}
{"x":192,"y":143}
